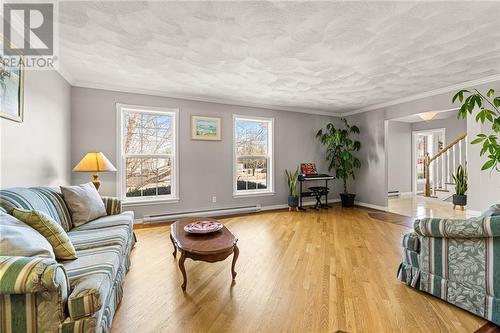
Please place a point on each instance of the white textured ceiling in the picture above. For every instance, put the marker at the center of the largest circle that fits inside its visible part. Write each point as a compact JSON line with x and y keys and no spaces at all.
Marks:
{"x":332,"y":56}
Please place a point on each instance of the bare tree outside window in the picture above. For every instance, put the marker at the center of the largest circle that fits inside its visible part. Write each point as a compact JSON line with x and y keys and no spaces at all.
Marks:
{"x":148,"y":152}
{"x":252,"y":150}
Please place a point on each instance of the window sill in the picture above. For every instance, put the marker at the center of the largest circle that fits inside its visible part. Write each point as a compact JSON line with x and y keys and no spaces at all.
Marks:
{"x":130,"y":203}
{"x":253,"y":194}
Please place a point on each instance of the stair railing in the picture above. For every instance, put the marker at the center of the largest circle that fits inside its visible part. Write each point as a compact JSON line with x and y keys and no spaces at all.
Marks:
{"x":445,"y":164}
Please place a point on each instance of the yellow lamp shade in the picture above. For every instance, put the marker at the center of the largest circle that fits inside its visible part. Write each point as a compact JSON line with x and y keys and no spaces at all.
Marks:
{"x":94,"y":162}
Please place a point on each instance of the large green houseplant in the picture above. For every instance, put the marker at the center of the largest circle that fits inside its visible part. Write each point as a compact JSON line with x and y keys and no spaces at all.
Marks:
{"x":339,"y":153}
{"x":487,"y":107}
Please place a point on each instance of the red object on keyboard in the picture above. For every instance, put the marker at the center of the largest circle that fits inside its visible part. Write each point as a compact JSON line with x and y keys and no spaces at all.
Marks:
{"x":308,"y":169}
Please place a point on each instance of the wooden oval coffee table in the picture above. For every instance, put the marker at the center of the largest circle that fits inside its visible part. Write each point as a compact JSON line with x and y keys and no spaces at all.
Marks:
{"x":213,"y":247}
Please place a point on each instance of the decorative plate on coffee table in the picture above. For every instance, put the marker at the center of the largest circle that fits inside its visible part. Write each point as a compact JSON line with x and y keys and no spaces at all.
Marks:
{"x":203,"y":227}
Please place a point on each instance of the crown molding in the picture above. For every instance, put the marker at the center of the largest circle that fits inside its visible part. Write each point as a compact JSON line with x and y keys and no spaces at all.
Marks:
{"x":426,"y":94}
{"x":227,"y":101}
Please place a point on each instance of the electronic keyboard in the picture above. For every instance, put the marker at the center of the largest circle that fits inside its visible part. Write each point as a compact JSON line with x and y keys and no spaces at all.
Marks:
{"x":319,"y":176}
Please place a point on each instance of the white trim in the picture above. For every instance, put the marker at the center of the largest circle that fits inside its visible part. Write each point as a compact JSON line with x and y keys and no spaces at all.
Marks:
{"x":174,"y":196}
{"x":270,"y":168}
{"x":149,"y":202}
{"x":364,"y":204}
{"x":277,"y":107}
{"x":251,"y":194}
{"x":426,"y":94}
{"x":206,"y":99}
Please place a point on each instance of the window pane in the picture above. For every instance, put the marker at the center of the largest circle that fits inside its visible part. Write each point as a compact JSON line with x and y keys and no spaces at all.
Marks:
{"x":251,"y":137}
{"x":148,"y":176}
{"x":147,"y":133}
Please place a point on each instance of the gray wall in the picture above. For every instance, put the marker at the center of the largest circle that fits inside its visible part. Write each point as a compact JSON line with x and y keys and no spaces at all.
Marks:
{"x":205,"y":167}
{"x":36,"y":151}
{"x":399,"y":156}
{"x":371,"y":182}
{"x":484,"y":186}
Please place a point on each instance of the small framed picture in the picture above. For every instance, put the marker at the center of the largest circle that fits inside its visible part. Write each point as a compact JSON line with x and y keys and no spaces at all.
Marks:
{"x":206,"y":128}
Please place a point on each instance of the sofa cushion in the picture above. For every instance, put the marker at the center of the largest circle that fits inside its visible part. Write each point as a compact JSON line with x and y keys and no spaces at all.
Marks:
{"x":125,"y":218}
{"x":53,"y":232}
{"x":19,"y":239}
{"x":95,"y":238}
{"x":83,"y":202}
{"x":91,"y":279}
{"x":44,"y":199}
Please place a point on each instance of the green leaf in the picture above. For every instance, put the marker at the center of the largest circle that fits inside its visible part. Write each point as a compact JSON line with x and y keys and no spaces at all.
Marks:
{"x":488,"y":165}
{"x":476,"y":141}
{"x":490,"y":92}
{"x":496,"y":101}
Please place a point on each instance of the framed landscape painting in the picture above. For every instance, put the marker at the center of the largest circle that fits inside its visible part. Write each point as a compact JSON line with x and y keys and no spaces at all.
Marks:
{"x":11,"y":92}
{"x":206,"y":128}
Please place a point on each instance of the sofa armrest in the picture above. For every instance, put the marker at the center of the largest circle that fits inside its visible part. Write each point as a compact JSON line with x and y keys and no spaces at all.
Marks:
{"x":475,"y":227}
{"x":113,"y":205}
{"x":21,"y":275}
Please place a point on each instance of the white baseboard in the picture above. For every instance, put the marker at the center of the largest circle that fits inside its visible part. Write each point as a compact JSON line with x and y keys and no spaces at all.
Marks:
{"x":367,"y":205}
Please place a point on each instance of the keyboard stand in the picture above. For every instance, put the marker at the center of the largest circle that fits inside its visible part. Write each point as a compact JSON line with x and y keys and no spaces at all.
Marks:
{"x":302,"y":194}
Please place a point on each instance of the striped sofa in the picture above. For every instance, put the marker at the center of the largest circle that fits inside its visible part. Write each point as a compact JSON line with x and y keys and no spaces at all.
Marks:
{"x":457,"y":261}
{"x":43,"y":295}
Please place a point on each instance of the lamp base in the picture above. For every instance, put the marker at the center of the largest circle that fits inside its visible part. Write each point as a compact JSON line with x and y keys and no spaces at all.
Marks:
{"x":96,"y":181}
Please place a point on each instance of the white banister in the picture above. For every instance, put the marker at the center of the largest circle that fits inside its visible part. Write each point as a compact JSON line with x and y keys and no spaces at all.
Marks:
{"x":443,"y":171}
{"x":454,"y":150}
{"x":460,"y":152}
{"x":448,"y":176}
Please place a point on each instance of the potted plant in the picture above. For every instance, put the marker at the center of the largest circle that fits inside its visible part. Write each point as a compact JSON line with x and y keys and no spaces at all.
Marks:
{"x":460,"y":178}
{"x":293,"y":199}
{"x":339,"y":153}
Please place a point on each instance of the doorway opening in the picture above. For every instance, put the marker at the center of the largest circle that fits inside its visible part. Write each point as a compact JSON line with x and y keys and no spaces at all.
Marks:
{"x":425,"y":143}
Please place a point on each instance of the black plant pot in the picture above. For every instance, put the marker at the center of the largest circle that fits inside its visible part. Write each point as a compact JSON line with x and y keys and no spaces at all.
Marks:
{"x":293,"y":201}
{"x":459,"y":200}
{"x":347,"y":199}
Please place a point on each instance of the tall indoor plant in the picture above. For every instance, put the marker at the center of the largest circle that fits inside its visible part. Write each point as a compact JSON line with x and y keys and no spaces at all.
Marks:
{"x":460,"y":179}
{"x":293,"y":199}
{"x":339,"y":153}
{"x":487,"y":107}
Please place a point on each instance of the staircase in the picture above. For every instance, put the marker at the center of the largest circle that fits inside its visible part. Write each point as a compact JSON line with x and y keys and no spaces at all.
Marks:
{"x":440,"y":167}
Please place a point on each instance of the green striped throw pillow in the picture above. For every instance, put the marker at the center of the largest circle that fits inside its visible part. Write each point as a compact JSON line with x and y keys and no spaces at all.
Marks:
{"x":50,"y":229}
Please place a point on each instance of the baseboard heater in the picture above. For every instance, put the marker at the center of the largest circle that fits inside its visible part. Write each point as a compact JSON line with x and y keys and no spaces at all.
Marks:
{"x":207,"y":213}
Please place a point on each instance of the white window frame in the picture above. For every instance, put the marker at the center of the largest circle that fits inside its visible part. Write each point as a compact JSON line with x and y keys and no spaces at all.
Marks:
{"x":270,"y":153}
{"x":120,"y":156}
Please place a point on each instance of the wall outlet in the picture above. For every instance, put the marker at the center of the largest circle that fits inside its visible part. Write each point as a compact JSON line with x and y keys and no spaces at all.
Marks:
{"x":214,"y":199}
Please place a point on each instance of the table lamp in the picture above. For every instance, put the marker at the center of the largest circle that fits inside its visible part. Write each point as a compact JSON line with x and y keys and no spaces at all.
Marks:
{"x":94,"y":162}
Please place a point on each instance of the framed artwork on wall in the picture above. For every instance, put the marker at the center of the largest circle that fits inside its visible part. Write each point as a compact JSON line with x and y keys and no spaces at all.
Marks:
{"x":206,"y":128}
{"x":12,"y":90}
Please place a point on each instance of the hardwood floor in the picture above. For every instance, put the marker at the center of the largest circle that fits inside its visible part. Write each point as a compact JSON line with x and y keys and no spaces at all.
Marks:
{"x":307,"y":271}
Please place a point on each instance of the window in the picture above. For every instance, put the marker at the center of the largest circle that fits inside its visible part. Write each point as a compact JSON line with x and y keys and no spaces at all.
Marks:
{"x":147,"y":147}
{"x":253,"y":156}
